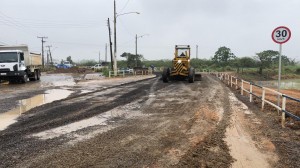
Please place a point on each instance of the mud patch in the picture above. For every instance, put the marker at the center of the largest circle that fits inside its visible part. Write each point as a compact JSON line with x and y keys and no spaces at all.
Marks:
{"x":102,"y":122}
{"x":241,"y":145}
{"x":8,"y":118}
{"x":212,"y":151}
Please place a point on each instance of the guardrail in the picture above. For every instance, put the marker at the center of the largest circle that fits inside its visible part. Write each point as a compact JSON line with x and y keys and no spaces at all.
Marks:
{"x":241,"y":84}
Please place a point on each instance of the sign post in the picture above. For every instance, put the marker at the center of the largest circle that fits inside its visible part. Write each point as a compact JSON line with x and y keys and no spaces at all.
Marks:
{"x":280,"y":35}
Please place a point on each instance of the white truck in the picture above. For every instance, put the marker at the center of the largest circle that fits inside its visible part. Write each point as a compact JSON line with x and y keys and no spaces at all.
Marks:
{"x":17,"y":64}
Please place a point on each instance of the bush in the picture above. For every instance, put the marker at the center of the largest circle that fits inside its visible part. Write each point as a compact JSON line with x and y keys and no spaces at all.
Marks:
{"x":105,"y":72}
{"x":298,"y":71}
{"x":288,"y":70}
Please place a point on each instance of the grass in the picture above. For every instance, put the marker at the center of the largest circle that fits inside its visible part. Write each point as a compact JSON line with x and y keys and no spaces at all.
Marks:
{"x":288,"y":72}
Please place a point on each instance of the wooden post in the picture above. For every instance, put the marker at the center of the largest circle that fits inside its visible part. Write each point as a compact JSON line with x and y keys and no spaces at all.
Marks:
{"x":242,"y":87}
{"x":251,"y":98}
{"x":263,"y":99}
{"x":283,"y":111}
{"x":236,"y":83}
{"x":109,"y":74}
{"x":231,"y":81}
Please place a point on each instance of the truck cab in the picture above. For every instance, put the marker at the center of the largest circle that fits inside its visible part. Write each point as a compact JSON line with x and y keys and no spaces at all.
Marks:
{"x":18,"y":65}
{"x":11,"y":64}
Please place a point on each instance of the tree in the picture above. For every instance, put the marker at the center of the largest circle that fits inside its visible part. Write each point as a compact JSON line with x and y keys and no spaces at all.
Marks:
{"x":87,"y":62}
{"x":69,"y":59}
{"x":284,"y":60}
{"x":222,"y":56}
{"x":246,"y":62}
{"x":133,"y":60}
{"x":265,"y":59}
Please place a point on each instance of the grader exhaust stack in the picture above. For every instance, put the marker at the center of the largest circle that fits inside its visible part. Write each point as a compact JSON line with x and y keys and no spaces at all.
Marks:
{"x":181,"y":66}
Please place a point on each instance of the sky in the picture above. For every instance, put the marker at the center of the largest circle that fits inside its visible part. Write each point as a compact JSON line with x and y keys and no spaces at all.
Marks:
{"x":79,"y":28}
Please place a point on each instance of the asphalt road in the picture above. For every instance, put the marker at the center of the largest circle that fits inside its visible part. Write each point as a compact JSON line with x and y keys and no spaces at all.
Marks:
{"x":147,"y":124}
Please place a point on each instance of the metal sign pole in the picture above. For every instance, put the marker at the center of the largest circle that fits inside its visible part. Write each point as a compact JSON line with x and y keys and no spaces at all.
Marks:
{"x":279,"y":72}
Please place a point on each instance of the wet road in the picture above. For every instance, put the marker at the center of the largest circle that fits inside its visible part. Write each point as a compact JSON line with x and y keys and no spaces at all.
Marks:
{"x":140,"y":124}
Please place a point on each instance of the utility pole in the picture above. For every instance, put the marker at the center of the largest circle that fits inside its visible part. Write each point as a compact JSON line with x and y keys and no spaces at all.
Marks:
{"x":43,"y":59}
{"x":136,"y":43}
{"x":115,"y":39}
{"x":110,"y":46}
{"x":106,"y":52}
{"x":196,"y":51}
{"x":49,"y":57}
{"x":136,"y":56}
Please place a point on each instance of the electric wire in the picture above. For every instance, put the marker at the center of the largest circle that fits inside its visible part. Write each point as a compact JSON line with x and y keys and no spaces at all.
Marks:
{"x":124,"y":6}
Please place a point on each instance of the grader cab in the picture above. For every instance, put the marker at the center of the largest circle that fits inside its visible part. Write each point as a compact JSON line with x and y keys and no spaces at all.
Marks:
{"x":181,"y":68}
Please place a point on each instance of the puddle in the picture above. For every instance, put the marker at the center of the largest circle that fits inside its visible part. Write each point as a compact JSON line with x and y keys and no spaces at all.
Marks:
{"x":25,"y":105}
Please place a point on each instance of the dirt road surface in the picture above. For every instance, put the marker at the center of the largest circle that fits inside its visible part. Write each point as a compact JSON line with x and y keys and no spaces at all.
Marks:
{"x":147,"y":123}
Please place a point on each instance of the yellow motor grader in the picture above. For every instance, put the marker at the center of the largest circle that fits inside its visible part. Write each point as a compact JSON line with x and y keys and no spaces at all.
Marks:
{"x":181,"y":68}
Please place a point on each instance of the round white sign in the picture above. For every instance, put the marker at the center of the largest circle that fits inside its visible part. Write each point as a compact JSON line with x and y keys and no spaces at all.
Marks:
{"x":281,"y":34}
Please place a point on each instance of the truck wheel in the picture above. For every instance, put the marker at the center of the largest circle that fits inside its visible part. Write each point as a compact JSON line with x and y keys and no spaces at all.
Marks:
{"x":24,"y":79}
{"x":38,"y":75}
{"x":191,"y":76}
{"x":34,"y":78}
{"x":11,"y":81}
{"x":165,"y":75}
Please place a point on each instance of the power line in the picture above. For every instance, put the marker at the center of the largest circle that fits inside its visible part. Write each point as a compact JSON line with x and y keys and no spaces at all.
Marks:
{"x":13,"y":22}
{"x":3,"y":43}
{"x":74,"y":43}
{"x":126,"y":29}
{"x":9,"y":21}
{"x":124,"y":6}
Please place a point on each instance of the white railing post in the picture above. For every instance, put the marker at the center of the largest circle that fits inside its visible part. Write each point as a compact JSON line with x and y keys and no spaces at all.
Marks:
{"x":283,"y":111}
{"x":228,"y":80}
{"x":236,"y":83}
{"x":251,"y":98}
{"x":242,"y":87}
{"x":263,"y":98}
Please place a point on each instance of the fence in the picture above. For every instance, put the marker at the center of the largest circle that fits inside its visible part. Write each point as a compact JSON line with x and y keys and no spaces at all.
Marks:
{"x":123,"y":73}
{"x":247,"y":87}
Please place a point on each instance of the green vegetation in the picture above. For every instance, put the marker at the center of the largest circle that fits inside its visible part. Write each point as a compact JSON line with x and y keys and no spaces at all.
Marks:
{"x":87,"y":63}
{"x":261,"y":66}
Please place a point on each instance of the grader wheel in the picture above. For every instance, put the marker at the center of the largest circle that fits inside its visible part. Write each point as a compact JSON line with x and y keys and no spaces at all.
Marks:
{"x":165,"y":75}
{"x":191,"y":77}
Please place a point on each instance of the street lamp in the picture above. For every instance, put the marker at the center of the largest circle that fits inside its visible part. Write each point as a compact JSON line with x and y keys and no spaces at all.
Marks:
{"x":136,"y":55}
{"x":115,"y":35}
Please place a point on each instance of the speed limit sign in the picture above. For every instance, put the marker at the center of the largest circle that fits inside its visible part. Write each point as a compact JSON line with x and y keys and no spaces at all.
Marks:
{"x":281,"y":34}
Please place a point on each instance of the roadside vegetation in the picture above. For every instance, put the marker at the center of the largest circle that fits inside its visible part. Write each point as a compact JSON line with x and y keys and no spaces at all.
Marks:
{"x":261,"y":66}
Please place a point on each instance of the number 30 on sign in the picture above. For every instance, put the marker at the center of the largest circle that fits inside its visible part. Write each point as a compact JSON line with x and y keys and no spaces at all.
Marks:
{"x":281,"y":34}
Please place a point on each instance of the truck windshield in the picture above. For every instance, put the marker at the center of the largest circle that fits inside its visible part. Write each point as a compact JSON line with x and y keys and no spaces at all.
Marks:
{"x":8,"y":57}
